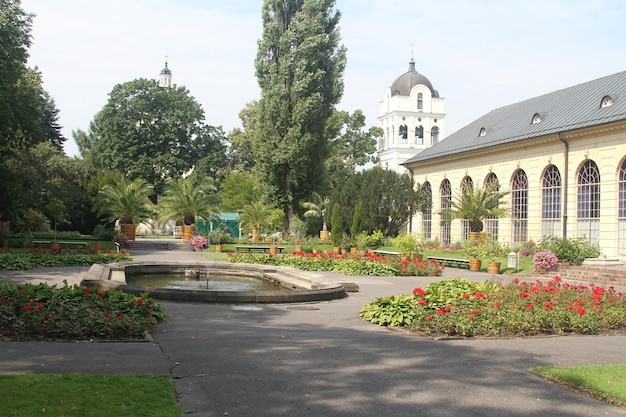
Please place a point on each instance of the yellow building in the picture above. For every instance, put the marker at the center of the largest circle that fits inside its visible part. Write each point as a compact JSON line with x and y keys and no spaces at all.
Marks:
{"x":562,"y":157}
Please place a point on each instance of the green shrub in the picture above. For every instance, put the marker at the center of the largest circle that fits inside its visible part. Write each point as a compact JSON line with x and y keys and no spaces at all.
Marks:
{"x":375,"y":240}
{"x":395,"y":310}
{"x":43,"y":311}
{"x":22,"y":261}
{"x":101,"y":232}
{"x":573,"y":250}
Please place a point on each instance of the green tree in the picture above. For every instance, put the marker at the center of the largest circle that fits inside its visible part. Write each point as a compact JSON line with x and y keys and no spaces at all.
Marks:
{"x":149,"y":131}
{"x":389,"y":199}
{"x":186,"y":199}
{"x":357,"y":221}
{"x":317,"y":208}
{"x":336,"y":226}
{"x":475,"y":204}
{"x":299,"y":67}
{"x":240,"y":154}
{"x":237,"y":190}
{"x":126,"y":201}
{"x":255,"y":215}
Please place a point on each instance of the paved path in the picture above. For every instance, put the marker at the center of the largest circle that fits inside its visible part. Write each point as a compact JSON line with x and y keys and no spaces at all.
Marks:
{"x":320,"y":359}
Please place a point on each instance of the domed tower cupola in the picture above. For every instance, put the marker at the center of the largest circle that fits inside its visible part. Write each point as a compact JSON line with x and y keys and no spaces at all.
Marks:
{"x":405,"y":83}
{"x":165,"y":78}
{"x":412,"y":118}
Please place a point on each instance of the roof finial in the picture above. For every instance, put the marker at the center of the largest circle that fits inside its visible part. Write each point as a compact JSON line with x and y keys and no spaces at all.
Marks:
{"x":412,"y":50}
{"x":165,"y":61}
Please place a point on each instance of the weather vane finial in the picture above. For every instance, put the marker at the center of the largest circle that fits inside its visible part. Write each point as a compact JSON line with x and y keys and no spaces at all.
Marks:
{"x":412,"y":50}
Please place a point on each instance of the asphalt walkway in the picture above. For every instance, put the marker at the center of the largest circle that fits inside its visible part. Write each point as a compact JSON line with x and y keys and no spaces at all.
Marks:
{"x":320,"y":359}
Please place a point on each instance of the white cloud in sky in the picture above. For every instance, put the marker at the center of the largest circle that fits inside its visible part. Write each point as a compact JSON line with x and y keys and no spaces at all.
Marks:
{"x":479,"y":55}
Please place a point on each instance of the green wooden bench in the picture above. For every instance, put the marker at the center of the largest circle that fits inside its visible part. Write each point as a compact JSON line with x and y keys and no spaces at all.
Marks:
{"x":451,"y":262}
{"x":250,"y":249}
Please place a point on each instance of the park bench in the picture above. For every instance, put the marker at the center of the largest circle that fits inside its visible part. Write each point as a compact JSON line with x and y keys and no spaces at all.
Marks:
{"x":42,"y":243}
{"x":451,"y":262}
{"x":386,"y":252}
{"x":250,"y":249}
{"x":70,"y":244}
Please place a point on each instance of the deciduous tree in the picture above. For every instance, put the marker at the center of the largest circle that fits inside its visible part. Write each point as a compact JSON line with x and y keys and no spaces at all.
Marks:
{"x":299,"y":67}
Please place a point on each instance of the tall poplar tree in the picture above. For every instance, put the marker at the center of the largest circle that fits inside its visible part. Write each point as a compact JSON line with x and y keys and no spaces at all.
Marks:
{"x":299,"y":66}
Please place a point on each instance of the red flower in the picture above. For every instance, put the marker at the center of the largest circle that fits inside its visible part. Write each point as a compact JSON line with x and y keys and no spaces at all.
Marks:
{"x":419,"y":291}
{"x":422,"y":302}
{"x":138,"y":301}
{"x":529,"y":306}
{"x":102,"y":294}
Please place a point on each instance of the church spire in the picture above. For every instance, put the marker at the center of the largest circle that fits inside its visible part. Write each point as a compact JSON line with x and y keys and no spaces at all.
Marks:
{"x":165,"y":78}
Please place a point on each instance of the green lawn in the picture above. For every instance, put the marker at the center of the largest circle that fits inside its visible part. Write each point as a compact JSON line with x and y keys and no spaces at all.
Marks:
{"x":88,"y":395}
{"x":606,"y":382}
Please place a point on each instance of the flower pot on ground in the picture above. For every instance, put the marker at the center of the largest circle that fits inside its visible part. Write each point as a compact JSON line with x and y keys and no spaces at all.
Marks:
{"x":318,"y":207}
{"x":218,"y":248}
{"x":324,"y":236}
{"x":354,"y":250}
{"x":188,"y":232}
{"x":298,"y":248}
{"x":273,"y":250}
{"x":336,"y":250}
{"x":475,"y":264}
{"x":480,"y":237}
{"x":98,"y":247}
{"x":256,"y":235}
{"x":493,"y":267}
{"x":129,"y":230}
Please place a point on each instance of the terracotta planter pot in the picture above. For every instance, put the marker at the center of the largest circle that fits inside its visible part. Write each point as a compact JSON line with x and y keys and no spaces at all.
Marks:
{"x":478,"y":236}
{"x":98,"y":246}
{"x":218,"y":248}
{"x":336,"y":250}
{"x":273,"y":250}
{"x":298,"y":248}
{"x":354,"y":251}
{"x":324,"y":236}
{"x":129,"y":230}
{"x":188,"y":232}
{"x":475,"y":264}
{"x":493,"y":267}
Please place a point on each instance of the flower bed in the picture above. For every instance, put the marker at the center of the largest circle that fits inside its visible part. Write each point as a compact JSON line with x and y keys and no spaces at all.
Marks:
{"x":466,"y":308}
{"x":42,"y":311}
{"x":57,"y":257}
{"x":369,"y":264}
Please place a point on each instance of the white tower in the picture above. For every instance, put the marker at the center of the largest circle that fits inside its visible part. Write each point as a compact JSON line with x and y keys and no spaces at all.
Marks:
{"x":165,"y":79}
{"x":412,"y":118}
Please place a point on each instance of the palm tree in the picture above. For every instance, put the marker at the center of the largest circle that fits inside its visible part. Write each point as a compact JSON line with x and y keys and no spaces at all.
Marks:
{"x":187,"y":199}
{"x":475,"y":204}
{"x":126,"y":201}
{"x":317,"y":208}
{"x":254,"y":216}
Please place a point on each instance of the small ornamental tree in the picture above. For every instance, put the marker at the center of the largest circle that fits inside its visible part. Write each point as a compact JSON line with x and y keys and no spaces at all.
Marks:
{"x":357,"y":221}
{"x":336,"y":228}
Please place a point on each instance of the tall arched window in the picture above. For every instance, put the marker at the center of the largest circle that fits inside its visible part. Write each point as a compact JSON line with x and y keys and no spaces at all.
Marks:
{"x":519,"y":207}
{"x":419,"y":135}
{"x":466,"y":184}
{"x":588,"y":202}
{"x":621,"y":210}
{"x":491,"y":225}
{"x":420,"y":101}
{"x":434,"y":133}
{"x":427,"y":214}
{"x":551,"y":202}
{"x":445,"y":193}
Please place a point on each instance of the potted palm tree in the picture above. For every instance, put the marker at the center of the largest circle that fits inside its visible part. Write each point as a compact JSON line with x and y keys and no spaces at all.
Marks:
{"x":318,"y":208}
{"x":127,"y":202}
{"x":186,"y":199}
{"x":254,"y":216}
{"x":474,"y":204}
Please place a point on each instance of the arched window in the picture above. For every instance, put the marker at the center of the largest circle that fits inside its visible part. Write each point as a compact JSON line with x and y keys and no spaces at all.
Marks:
{"x":434,"y":133}
{"x":519,"y":207}
{"x":427,"y":214}
{"x":536,"y":118}
{"x":551,"y":202}
{"x":621,"y":210}
{"x":491,"y":224}
{"x":403,"y":133}
{"x":467,"y":184}
{"x":483,"y":132}
{"x":419,"y":135}
{"x":588,"y":202}
{"x":420,"y":101}
{"x":607,"y":101}
{"x":445,"y":193}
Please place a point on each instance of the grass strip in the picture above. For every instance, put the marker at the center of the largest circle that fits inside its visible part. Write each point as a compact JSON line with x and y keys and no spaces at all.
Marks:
{"x":604,"y":382}
{"x":88,"y":395}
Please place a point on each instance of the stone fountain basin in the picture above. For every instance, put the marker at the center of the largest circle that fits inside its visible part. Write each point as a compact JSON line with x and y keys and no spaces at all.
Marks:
{"x":301,"y":286}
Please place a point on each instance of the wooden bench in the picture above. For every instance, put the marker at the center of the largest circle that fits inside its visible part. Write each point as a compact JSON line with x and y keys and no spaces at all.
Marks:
{"x":250,"y":249}
{"x":42,"y":243}
{"x":69,"y":244}
{"x":386,"y":252}
{"x":451,"y":262}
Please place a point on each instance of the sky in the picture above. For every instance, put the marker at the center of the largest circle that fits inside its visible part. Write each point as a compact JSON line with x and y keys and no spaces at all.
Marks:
{"x":480,"y":55}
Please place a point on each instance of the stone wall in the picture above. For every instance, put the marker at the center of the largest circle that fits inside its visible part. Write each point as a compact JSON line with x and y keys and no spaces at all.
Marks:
{"x":589,"y":274}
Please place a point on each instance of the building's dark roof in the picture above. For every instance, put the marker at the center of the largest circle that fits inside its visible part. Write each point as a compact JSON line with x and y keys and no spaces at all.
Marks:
{"x":563,"y":110}
{"x":403,"y":84}
{"x":166,"y":70}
